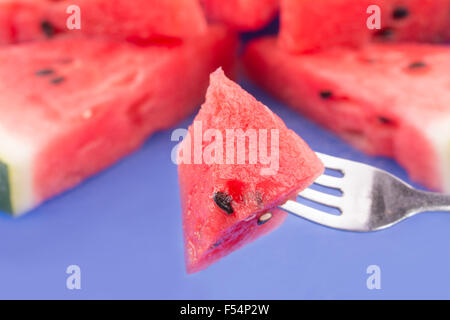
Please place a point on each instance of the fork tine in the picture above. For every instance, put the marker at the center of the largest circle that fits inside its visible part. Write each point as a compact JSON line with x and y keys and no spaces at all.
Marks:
{"x":332,"y":162}
{"x":320,"y":197}
{"x":309,"y":213}
{"x":329,"y":181}
{"x":323,"y":218}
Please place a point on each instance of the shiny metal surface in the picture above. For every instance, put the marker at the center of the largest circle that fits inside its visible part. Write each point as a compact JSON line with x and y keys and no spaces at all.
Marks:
{"x":371,"y":199}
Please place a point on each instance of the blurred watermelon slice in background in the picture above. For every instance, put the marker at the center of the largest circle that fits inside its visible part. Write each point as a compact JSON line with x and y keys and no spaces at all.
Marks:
{"x":75,"y":106}
{"x":385,"y":99}
{"x":320,"y":24}
{"x":137,"y":20}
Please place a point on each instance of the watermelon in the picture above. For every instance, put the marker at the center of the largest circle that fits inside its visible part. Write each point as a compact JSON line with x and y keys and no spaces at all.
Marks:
{"x":75,"y":106}
{"x":137,"y":20}
{"x":385,"y":99}
{"x":314,"y":25}
{"x":242,"y":15}
{"x":228,"y":202}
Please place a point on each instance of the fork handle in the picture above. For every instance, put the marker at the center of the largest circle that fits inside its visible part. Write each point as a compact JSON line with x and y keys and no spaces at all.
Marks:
{"x":430,"y":201}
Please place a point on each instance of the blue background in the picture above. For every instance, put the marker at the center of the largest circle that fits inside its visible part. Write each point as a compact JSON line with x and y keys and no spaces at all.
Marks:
{"x":123,"y":228}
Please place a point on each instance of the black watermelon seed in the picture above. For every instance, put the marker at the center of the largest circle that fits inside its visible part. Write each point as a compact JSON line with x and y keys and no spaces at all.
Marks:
{"x":400,"y":13}
{"x":48,"y":29}
{"x":223,"y":201}
{"x":417,"y":65}
{"x":44,"y":72}
{"x":386,"y":33}
{"x":218,"y":243}
{"x":326,"y":94}
{"x":57,"y":80}
{"x":384,"y":120}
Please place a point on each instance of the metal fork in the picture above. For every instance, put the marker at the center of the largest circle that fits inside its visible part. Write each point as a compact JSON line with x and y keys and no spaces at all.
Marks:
{"x":371,"y":200}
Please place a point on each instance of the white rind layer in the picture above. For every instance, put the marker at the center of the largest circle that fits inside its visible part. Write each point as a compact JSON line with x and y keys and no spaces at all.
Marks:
{"x":439,"y":135}
{"x":18,"y":156}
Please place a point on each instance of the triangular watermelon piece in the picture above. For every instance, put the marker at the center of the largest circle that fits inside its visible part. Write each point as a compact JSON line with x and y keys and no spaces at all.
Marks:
{"x":71,"y":107}
{"x":320,"y":24}
{"x":137,"y":20}
{"x":242,"y":15}
{"x":228,"y":203}
{"x":386,"y":99}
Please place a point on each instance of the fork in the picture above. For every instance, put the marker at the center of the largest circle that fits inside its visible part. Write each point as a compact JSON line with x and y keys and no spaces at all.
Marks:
{"x":371,"y":199}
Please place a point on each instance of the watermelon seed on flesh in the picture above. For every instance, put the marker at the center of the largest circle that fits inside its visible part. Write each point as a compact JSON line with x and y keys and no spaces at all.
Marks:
{"x":57,"y":80}
{"x":384,"y":120}
{"x":264,"y":218}
{"x":218,"y":243}
{"x":417,"y":65}
{"x":48,"y":29}
{"x":326,"y":94}
{"x":44,"y":72}
{"x":400,"y":13}
{"x":223,"y":201}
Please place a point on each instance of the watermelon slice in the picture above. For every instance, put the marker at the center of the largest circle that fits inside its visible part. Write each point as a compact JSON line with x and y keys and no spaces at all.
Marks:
{"x":76,"y":106}
{"x":386,"y":99}
{"x":229,"y":203}
{"x":137,"y":20}
{"x":242,"y":15}
{"x":313,"y":25}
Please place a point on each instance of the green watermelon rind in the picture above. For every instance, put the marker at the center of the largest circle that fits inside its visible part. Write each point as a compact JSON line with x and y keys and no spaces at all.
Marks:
{"x":5,"y":189}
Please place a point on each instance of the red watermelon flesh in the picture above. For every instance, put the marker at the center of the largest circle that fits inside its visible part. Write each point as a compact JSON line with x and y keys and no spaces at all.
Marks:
{"x":137,"y":20}
{"x":386,"y":99}
{"x":224,"y":205}
{"x":76,"y":106}
{"x":243,"y":15}
{"x":313,"y":25}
